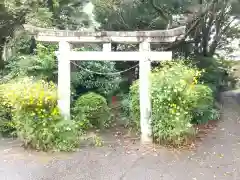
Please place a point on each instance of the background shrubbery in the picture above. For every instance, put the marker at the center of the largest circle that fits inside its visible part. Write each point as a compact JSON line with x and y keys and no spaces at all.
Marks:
{"x":43,"y":65}
{"x":218,"y":74}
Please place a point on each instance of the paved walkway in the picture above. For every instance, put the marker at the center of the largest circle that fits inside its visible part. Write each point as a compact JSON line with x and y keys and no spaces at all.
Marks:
{"x":217,"y":158}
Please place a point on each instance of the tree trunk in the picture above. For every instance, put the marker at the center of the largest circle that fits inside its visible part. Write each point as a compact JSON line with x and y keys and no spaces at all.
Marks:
{"x":1,"y":54}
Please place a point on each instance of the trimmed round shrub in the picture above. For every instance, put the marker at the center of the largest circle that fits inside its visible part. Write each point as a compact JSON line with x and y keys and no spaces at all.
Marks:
{"x":94,"y":108}
{"x":176,"y":94}
{"x":36,"y":116}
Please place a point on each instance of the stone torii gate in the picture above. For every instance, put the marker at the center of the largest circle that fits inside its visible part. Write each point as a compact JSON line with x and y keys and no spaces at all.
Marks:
{"x":144,"y":38}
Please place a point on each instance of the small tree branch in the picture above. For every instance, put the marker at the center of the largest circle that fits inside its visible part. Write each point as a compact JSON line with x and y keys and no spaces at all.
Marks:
{"x":160,"y":10}
{"x":122,"y":20}
{"x":217,"y":38}
{"x":194,"y":25}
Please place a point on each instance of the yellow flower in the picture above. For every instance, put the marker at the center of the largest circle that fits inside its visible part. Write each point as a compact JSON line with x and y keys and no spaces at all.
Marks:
{"x":191,"y":86}
{"x":55,"y":111}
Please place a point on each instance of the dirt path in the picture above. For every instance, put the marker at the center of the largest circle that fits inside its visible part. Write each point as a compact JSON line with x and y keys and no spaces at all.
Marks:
{"x":218,"y":158}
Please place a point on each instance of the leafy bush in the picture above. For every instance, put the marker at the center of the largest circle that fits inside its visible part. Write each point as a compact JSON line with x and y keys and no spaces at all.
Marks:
{"x":125,"y":106}
{"x":176,"y":95}
{"x":94,"y":108}
{"x":217,"y":74}
{"x":121,"y":109}
{"x":42,"y":65}
{"x":19,"y":43}
{"x":36,"y":116}
{"x":7,"y":126}
{"x":202,"y":105}
{"x":101,"y":84}
{"x":105,"y":83}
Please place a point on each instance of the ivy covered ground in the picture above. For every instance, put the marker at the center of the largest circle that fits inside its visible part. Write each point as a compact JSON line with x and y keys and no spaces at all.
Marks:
{"x":216,"y":158}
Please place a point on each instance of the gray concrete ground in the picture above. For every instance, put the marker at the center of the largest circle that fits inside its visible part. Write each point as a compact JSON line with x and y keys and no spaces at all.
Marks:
{"x":217,"y":157}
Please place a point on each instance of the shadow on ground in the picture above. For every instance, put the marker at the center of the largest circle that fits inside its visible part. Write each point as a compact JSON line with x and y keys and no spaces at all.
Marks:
{"x":216,"y":158}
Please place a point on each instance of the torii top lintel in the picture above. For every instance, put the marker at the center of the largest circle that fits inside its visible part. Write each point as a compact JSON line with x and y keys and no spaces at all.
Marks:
{"x":155,"y":36}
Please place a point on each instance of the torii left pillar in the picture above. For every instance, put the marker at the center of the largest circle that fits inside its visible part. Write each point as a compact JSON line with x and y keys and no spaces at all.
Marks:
{"x":64,"y":80}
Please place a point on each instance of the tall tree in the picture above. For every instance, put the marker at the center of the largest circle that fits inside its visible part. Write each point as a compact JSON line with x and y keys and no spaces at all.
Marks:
{"x":69,"y":14}
{"x":210,"y":26}
{"x":60,"y":14}
{"x":216,"y":29}
{"x":209,"y":22}
{"x":127,"y":15}
{"x":14,"y":13}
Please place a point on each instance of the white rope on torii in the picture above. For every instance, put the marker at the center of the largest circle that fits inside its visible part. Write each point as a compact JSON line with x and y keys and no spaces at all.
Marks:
{"x":144,"y":38}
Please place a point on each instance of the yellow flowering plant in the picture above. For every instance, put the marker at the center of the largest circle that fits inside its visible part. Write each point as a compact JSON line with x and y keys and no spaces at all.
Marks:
{"x":176,"y":94}
{"x":36,"y":115}
{"x":7,"y":126}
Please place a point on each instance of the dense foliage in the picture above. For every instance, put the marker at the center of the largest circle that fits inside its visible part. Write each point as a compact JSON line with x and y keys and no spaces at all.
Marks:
{"x":178,"y":100}
{"x":200,"y":18}
{"x":124,"y":109}
{"x":96,"y":76}
{"x":41,"y":65}
{"x":218,"y":74}
{"x":7,"y":126}
{"x":94,"y":109}
{"x":37,"y":119}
